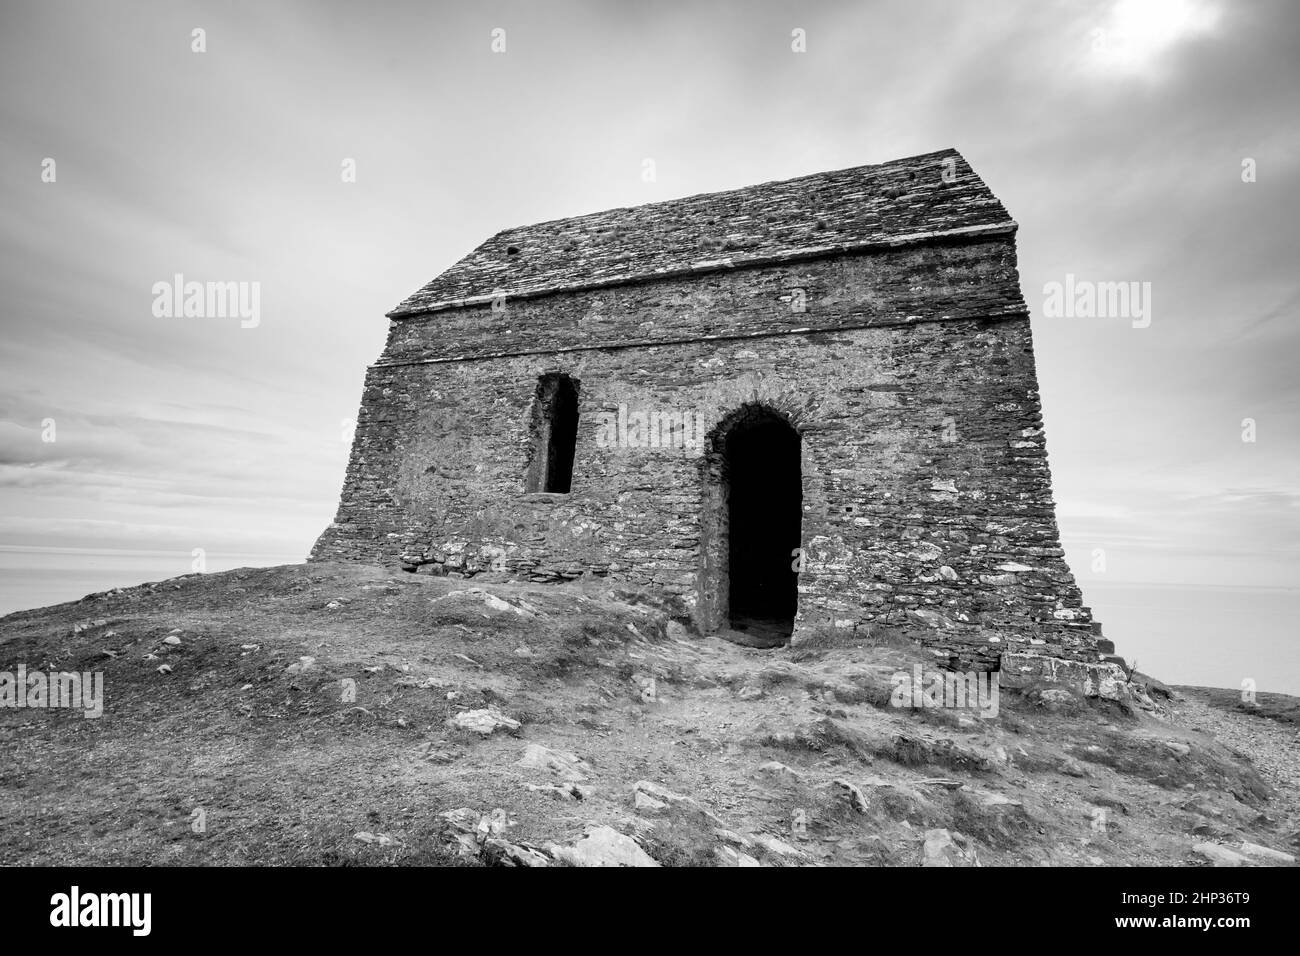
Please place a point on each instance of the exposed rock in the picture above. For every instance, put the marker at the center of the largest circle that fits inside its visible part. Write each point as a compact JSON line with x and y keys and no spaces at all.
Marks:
{"x":730,"y":856}
{"x":462,"y":826}
{"x":775,"y":846}
{"x":483,"y":722}
{"x":303,"y":664}
{"x":648,"y":797}
{"x":855,"y":796}
{"x":462,"y":819}
{"x":498,"y":852}
{"x":603,"y":846}
{"x":1105,"y":680}
{"x":645,"y":803}
{"x":1265,"y":855}
{"x":492,"y":824}
{"x":480,"y":835}
{"x":732,"y":837}
{"x":1221,"y":855}
{"x":491,"y":601}
{"x":989,"y":800}
{"x":560,"y":763}
{"x":941,"y":849}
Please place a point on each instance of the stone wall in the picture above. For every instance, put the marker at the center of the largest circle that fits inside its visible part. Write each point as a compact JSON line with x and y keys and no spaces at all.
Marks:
{"x":926,"y":489}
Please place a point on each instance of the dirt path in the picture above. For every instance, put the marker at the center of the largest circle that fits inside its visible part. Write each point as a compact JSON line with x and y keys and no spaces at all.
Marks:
{"x":1272,"y":746}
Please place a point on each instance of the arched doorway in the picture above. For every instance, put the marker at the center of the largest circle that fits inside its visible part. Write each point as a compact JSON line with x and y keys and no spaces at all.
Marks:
{"x":752,"y":527}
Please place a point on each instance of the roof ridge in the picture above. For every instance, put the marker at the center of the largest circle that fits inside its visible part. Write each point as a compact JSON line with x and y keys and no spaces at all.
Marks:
{"x":852,"y":210}
{"x":951,"y":150}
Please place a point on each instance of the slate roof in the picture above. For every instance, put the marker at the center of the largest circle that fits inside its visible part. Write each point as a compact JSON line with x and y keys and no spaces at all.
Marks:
{"x":897,"y":203}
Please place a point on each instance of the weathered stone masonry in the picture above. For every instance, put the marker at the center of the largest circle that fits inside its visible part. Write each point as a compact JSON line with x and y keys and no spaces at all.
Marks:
{"x":876,"y":310}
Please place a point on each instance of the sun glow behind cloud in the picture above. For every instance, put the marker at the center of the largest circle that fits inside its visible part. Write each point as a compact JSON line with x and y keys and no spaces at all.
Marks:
{"x":1137,"y":33}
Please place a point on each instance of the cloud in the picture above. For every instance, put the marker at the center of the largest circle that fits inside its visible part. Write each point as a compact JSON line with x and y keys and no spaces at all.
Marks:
{"x":1122,"y":163}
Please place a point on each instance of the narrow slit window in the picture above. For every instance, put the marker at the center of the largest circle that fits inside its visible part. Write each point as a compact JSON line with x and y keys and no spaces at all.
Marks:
{"x":555,"y":426}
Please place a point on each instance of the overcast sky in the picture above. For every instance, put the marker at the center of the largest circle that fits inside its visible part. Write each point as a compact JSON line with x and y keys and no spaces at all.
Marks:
{"x":1114,"y":133}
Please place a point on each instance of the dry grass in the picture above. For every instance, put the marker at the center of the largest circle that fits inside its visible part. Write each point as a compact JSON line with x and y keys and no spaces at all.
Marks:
{"x":286,"y":771}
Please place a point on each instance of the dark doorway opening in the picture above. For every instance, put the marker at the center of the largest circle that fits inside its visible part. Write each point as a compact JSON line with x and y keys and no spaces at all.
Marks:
{"x":764,"y":522}
{"x":555,"y":430}
{"x":563,"y":437}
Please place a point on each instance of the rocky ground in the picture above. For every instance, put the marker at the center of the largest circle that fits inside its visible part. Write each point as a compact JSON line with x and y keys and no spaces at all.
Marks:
{"x":1266,"y":732}
{"x":340,"y":714}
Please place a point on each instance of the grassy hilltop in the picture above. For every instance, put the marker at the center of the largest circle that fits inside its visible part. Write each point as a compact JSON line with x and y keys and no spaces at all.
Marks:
{"x":344,"y":714}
